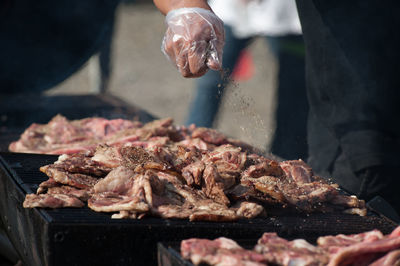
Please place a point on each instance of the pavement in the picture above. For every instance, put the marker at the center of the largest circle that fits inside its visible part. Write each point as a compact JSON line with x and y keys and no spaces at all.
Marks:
{"x":142,"y":76}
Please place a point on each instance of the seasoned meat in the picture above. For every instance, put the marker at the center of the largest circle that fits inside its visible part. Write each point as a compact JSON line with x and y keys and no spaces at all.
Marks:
{"x":221,"y":251}
{"x":193,"y":173}
{"x":117,"y":181}
{"x":333,"y":243}
{"x":164,"y":170}
{"x":390,"y":259}
{"x":51,"y":201}
{"x":62,"y":176}
{"x":123,"y":190}
{"x":368,"y":248}
{"x":279,"y":251}
{"x":297,"y":170}
{"x":82,"y":194}
{"x":209,"y":135}
{"x":108,"y":156}
{"x":214,"y":185}
{"x":66,"y":136}
{"x":47,"y":184}
{"x":365,"y":252}
{"x":264,"y":168}
{"x":82,"y":164}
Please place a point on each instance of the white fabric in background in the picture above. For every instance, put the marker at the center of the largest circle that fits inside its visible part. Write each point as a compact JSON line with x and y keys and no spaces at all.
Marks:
{"x":258,"y":17}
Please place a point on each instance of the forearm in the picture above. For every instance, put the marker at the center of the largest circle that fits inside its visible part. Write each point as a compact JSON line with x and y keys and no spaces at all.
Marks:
{"x":167,"y":5}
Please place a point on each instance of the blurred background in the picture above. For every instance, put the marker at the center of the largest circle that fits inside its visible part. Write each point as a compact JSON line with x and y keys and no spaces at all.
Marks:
{"x":142,"y":76}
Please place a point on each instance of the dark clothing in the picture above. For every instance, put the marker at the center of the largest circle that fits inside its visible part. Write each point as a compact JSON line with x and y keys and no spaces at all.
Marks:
{"x":352,"y":64}
{"x":43,"y":42}
{"x":289,"y":140}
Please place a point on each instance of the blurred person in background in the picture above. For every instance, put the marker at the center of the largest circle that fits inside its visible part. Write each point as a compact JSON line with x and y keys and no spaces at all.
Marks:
{"x":44,"y":42}
{"x":278,"y":22}
{"x":352,"y":63}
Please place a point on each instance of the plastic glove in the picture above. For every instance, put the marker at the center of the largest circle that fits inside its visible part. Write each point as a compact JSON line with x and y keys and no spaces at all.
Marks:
{"x":194,"y":40}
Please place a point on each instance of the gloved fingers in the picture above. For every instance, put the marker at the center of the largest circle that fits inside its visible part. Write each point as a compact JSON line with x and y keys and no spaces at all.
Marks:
{"x":194,"y":40}
{"x":181,"y":56}
{"x":173,"y":47}
{"x":216,"y":45}
{"x":182,"y":60}
{"x":197,"y":56}
{"x":214,"y":58}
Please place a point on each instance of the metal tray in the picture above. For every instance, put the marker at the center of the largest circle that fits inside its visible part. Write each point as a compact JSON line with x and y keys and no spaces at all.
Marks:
{"x":83,"y":237}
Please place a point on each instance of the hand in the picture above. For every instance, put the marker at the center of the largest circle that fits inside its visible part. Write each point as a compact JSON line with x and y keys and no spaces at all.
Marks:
{"x":194,"y":40}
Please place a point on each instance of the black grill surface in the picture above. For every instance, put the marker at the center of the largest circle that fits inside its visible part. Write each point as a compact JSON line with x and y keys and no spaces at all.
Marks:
{"x":83,"y":237}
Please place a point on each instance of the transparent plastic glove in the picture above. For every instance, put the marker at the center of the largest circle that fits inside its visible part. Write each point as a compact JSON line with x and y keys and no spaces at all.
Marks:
{"x":194,"y":40}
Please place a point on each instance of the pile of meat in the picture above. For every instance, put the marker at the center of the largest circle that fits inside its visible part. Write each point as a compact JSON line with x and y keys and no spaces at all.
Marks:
{"x":176,"y":172}
{"x":61,"y":136}
{"x":369,"y":248}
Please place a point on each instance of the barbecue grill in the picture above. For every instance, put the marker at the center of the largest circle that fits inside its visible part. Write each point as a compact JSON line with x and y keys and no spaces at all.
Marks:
{"x":83,"y":237}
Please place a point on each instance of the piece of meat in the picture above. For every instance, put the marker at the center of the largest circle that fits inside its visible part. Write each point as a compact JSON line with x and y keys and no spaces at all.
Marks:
{"x":126,"y":215}
{"x":112,"y":202}
{"x":193,"y":173}
{"x":203,"y":211}
{"x":268,"y":185}
{"x":297,"y":170}
{"x":82,"y":164}
{"x":279,"y":251}
{"x":356,"y":211}
{"x":348,"y":201}
{"x":227,"y":158}
{"x":249,"y":210}
{"x":221,"y":251}
{"x":390,"y":259}
{"x":181,"y":156}
{"x":347,"y":240}
{"x":222,"y":169}
{"x":307,"y":196}
{"x":83,"y":148}
{"x":249,"y":193}
{"x":49,"y":183}
{"x":133,"y":157}
{"x":364,"y":253}
{"x":107,"y":156}
{"x":61,"y":136}
{"x":170,"y":177}
{"x":396,"y":232}
{"x":82,"y":194}
{"x":51,"y":201}
{"x":196,"y":142}
{"x":333,"y":243}
{"x":122,"y":190}
{"x":160,"y":128}
{"x":209,"y":135}
{"x":101,"y":128}
{"x":264,"y":168}
{"x":214,"y":185}
{"x":192,"y":204}
{"x":60,"y":175}
{"x":119,"y":180}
